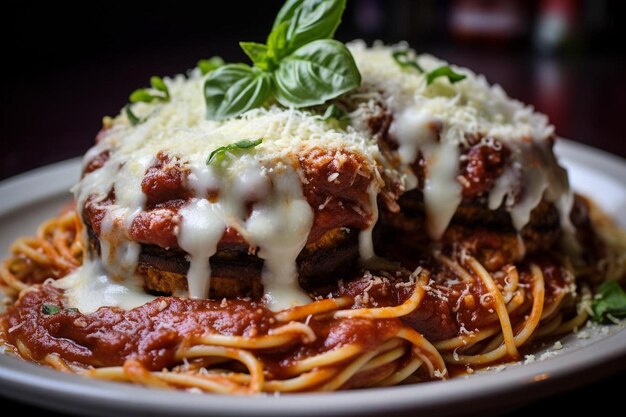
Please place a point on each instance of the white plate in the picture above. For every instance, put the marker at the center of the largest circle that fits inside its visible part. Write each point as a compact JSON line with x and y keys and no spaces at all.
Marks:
{"x":27,"y":199}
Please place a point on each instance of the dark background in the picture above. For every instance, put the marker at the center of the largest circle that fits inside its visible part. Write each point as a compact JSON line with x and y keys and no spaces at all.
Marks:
{"x":65,"y":65}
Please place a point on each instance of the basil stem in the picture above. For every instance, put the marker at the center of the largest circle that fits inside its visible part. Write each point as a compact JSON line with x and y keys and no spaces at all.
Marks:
{"x":444,"y":71}
{"x":299,"y":65}
{"x":218,"y":154}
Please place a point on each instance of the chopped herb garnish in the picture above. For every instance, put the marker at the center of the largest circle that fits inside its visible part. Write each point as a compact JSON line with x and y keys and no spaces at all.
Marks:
{"x":403,"y":59}
{"x":609,"y":301}
{"x":134,"y":120}
{"x":334,"y":112}
{"x":208,"y":65}
{"x":444,"y":71}
{"x":71,"y":310}
{"x":300,"y":65}
{"x":158,"y":92}
{"x":50,"y":309}
{"x":218,"y":154}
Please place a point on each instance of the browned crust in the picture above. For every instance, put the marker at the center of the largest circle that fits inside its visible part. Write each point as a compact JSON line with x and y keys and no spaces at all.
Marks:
{"x":487,"y":234}
{"x":235,"y":272}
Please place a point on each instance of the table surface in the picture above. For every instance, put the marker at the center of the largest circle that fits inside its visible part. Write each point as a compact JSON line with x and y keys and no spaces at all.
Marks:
{"x":585,"y":99}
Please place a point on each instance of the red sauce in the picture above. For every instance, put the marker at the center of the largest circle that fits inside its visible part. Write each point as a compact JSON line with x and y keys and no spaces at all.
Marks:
{"x":480,"y":168}
{"x":336,"y":188}
{"x":97,"y":162}
{"x":481,"y":165}
{"x":157,"y":226}
{"x":94,"y":211}
{"x":440,"y":315}
{"x":341,"y":202}
{"x":153,"y":332}
{"x":150,"y":333}
{"x":165,"y":181}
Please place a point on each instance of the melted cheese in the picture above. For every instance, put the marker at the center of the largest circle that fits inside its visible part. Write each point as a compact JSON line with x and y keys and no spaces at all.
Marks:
{"x":281,"y":218}
{"x":280,"y":226}
{"x":435,"y":121}
{"x":91,"y":286}
{"x":201,"y":227}
{"x":366,"y":241}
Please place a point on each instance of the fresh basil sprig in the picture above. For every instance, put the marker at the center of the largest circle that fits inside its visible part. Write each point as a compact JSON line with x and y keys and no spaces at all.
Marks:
{"x":211,"y":64}
{"x":610,"y":300}
{"x":299,"y":65}
{"x":158,"y":92}
{"x":403,"y":59}
{"x":218,"y":154}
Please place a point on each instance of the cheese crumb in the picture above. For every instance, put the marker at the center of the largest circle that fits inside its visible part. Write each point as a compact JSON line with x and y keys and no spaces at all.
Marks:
{"x":529,"y":359}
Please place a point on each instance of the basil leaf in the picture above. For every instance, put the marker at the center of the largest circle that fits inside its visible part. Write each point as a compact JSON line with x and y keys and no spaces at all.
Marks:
{"x":147,"y":96}
{"x":315,"y":73}
{"x":235,"y":88}
{"x":277,"y":41}
{"x":334,"y":112}
{"x":211,"y":64}
{"x":404,"y":61}
{"x":309,"y":20}
{"x":610,"y":299}
{"x":134,"y":120}
{"x":141,"y":95}
{"x":50,"y":309}
{"x":218,"y":154}
{"x":257,"y":52}
{"x":444,"y":71}
{"x":158,"y":84}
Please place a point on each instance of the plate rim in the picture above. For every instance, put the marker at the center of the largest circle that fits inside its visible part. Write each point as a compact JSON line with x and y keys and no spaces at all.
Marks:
{"x":39,"y":385}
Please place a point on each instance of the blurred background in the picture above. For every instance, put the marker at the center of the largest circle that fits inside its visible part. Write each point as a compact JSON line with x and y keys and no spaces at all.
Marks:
{"x":68,"y":64}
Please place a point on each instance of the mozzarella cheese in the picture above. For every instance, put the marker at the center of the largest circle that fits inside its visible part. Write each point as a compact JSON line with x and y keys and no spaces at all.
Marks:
{"x":471,"y":107}
{"x":281,"y":219}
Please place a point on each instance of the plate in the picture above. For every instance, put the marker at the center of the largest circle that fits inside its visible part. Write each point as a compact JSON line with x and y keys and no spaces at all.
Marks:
{"x":575,"y":359}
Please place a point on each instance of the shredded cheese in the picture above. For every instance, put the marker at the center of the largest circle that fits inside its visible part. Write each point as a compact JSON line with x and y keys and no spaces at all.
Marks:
{"x":433,"y":121}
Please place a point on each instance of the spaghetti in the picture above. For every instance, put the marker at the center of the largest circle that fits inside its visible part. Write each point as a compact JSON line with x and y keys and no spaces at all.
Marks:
{"x":357,"y":336}
{"x":235,"y":232}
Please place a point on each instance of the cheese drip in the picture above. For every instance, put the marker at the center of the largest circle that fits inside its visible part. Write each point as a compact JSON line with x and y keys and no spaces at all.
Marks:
{"x":278,"y":226}
{"x":417,"y":134}
{"x":534,"y":165}
{"x":434,"y":121}
{"x":256,"y":192}
{"x":90,"y":287}
{"x":201,"y":227}
{"x":428,"y":120}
